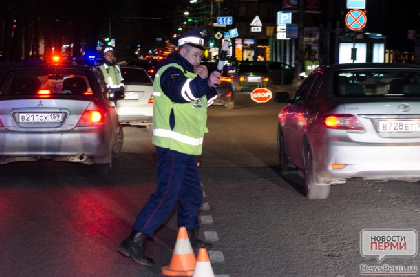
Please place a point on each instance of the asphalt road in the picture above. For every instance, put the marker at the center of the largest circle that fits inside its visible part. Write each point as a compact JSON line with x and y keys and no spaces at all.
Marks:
{"x":59,"y":219}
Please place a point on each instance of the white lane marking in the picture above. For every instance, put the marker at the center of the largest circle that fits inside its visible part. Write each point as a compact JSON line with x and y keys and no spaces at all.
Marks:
{"x":206,"y":219}
{"x":216,"y":256}
{"x":211,"y":236}
{"x":205,"y":206}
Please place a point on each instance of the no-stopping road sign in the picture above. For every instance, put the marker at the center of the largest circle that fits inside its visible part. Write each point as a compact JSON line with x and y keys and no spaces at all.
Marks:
{"x":356,"y":20}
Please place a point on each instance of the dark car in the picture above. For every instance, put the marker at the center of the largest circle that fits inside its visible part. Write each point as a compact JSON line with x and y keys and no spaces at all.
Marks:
{"x":352,"y":120}
{"x":226,"y":89}
{"x":280,"y":73}
{"x":251,"y":75}
{"x":147,"y":65}
{"x":60,"y":113}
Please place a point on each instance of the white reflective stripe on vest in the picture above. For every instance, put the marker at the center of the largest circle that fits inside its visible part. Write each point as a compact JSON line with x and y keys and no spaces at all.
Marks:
{"x":110,"y":84}
{"x":177,"y":136}
{"x":186,"y":91}
{"x":211,"y":100}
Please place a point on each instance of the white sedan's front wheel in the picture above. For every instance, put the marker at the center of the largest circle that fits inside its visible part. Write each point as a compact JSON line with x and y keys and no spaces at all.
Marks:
{"x":284,"y":164}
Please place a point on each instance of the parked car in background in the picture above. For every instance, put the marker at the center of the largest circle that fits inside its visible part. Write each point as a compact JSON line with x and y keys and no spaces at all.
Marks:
{"x":280,"y":73}
{"x":58,"y":112}
{"x":137,"y":105}
{"x":147,"y":65}
{"x":352,"y":120}
{"x":251,"y":75}
{"x":226,"y":89}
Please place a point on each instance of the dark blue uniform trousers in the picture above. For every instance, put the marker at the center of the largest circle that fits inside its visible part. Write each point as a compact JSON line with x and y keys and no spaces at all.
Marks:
{"x":178,"y":181}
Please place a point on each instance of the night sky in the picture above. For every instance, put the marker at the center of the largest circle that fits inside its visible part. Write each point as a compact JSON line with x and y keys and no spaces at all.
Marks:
{"x":135,"y":20}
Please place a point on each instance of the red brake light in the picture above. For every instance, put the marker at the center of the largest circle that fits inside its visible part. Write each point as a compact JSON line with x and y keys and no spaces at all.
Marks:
{"x":151,"y":99}
{"x":56,"y":59}
{"x":343,"y":122}
{"x":43,"y":92}
{"x":91,"y":118}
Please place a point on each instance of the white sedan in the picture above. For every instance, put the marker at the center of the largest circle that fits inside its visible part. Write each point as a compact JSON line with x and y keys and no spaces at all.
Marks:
{"x":137,"y":105}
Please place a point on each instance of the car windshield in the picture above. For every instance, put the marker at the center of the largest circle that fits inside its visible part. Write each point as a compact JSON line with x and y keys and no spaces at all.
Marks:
{"x":135,"y":76}
{"x":368,"y":83}
{"x":243,"y":68}
{"x":33,"y":82}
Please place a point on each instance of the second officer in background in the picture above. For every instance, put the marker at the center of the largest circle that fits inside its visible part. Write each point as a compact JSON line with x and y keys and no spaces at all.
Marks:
{"x":111,"y":71}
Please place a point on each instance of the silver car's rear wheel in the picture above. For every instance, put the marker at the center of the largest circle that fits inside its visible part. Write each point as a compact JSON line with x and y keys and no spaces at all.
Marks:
{"x":116,"y":148}
{"x":313,"y":189}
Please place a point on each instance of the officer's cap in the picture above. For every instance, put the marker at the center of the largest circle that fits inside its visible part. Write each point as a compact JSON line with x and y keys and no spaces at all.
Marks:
{"x":312,"y":52}
{"x":195,"y":37}
{"x":107,"y":49}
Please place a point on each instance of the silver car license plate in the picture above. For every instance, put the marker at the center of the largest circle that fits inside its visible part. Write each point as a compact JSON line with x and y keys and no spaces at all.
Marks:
{"x":254,"y":79}
{"x":399,"y":126}
{"x":40,"y":117}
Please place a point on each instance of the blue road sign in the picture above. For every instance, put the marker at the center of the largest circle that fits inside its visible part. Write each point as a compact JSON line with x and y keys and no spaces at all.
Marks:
{"x":233,"y":33}
{"x":224,"y":20}
{"x":284,"y":18}
{"x":356,"y":4}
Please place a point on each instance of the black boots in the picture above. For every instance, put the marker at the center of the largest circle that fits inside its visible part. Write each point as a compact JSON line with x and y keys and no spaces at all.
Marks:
{"x":134,"y":247}
{"x":196,"y":242}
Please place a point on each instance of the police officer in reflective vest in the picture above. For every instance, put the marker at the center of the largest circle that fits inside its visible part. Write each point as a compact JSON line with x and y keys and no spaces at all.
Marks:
{"x":182,"y":91}
{"x":311,"y":63}
{"x":111,"y":71}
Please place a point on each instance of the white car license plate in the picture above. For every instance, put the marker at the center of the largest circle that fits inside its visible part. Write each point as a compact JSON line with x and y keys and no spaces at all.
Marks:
{"x":254,"y":79}
{"x":399,"y":126}
{"x":40,"y":117}
{"x":131,"y":96}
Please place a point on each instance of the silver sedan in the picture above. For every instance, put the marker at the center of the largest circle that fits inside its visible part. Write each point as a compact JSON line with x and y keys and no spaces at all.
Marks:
{"x":57,"y":112}
{"x":352,"y":120}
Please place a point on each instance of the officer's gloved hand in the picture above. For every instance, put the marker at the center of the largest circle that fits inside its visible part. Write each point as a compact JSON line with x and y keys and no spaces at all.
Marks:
{"x":201,"y":70}
{"x":214,"y":79}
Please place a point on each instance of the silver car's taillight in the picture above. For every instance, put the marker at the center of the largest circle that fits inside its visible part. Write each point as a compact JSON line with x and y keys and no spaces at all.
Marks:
{"x":343,"y":122}
{"x":91,"y":118}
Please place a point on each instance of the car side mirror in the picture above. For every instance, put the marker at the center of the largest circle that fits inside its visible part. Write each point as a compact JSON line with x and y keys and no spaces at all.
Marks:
{"x":282,"y":97}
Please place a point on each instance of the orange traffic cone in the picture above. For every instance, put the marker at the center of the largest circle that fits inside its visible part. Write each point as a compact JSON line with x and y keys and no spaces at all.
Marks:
{"x":183,"y":259}
{"x":203,"y":266}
